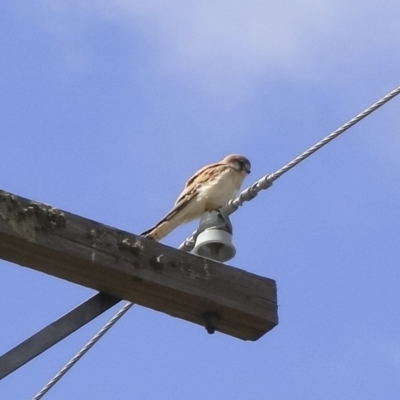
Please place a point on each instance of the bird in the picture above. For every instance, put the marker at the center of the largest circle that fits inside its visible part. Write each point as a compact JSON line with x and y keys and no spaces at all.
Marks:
{"x":210,"y":188}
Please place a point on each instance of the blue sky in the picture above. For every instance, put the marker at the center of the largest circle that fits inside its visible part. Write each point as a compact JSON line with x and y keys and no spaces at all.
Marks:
{"x":108,"y":107}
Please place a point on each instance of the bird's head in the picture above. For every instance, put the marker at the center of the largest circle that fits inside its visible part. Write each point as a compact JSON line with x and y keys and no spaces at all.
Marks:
{"x":239,"y":162}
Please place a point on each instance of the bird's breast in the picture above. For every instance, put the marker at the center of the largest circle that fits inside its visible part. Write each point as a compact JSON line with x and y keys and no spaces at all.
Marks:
{"x":219,"y":191}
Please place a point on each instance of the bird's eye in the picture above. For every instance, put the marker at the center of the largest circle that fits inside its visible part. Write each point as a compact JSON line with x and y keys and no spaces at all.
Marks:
{"x":243,"y":165}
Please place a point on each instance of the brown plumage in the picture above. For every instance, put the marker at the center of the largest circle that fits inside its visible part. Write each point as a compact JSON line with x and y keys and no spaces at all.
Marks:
{"x":208,"y":189}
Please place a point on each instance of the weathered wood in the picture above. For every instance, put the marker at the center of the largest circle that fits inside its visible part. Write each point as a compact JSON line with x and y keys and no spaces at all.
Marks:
{"x":140,"y":270}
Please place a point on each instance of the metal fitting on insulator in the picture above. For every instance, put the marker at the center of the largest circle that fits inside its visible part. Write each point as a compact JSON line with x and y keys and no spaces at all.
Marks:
{"x":215,"y":238}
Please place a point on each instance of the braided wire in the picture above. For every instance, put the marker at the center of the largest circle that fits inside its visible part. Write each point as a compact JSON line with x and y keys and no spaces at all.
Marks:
{"x":84,"y":350}
{"x":266,"y":181}
{"x":246,"y":195}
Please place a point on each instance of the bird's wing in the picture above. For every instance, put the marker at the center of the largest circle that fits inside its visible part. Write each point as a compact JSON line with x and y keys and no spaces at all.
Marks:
{"x":177,"y":216}
{"x":204,"y":175}
{"x":185,"y":210}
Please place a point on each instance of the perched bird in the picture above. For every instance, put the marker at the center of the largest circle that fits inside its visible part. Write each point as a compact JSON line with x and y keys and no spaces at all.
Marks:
{"x":208,"y":189}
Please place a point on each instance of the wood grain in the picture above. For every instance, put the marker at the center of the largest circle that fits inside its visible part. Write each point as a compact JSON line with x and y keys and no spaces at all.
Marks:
{"x":128,"y":266}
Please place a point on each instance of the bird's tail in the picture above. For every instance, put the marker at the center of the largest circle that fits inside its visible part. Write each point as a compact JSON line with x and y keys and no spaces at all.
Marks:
{"x":184,"y":211}
{"x":161,"y":229}
{"x":179,"y":215}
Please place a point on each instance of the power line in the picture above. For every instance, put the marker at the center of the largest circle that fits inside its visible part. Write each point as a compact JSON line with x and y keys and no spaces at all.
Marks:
{"x":246,"y":195}
{"x":267,"y":180}
{"x":84,"y":350}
